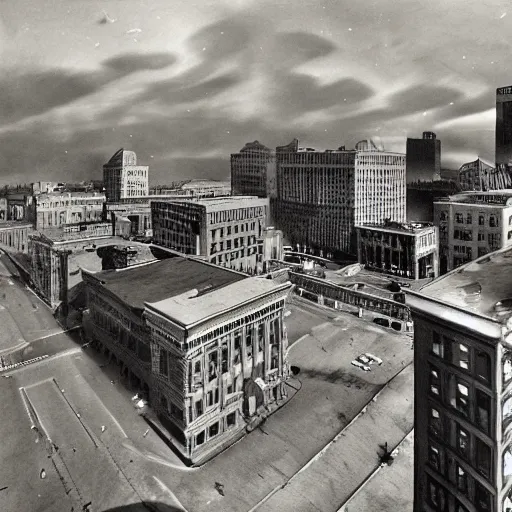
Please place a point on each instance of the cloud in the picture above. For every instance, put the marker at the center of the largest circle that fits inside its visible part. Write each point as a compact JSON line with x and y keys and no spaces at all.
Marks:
{"x":32,"y":92}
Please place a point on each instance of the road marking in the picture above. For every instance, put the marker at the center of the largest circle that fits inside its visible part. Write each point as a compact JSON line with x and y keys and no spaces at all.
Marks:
{"x":46,"y":359}
{"x":60,"y":331}
{"x":174,"y":497}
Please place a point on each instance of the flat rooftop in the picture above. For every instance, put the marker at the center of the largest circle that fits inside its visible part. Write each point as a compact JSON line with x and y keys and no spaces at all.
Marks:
{"x":493,"y":197}
{"x":10,"y":224}
{"x":163,"y":279}
{"x":411,"y":227}
{"x":191,"y":307}
{"x":478,"y":286}
{"x":225,"y":201}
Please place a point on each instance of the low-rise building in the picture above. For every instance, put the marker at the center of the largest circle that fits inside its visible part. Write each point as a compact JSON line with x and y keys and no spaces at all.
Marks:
{"x":223,"y":231}
{"x":207,"y":345}
{"x":474,"y":175}
{"x":463,"y":388}
{"x":403,"y":249}
{"x":193,"y":189}
{"x":472,"y":224}
{"x":14,"y":235}
{"x":61,"y":208}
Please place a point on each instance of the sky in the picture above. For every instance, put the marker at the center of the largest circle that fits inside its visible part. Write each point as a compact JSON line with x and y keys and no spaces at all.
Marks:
{"x":184,"y":83}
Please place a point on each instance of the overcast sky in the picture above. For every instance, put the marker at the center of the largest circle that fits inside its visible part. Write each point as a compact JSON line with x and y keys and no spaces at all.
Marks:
{"x":184,"y":83}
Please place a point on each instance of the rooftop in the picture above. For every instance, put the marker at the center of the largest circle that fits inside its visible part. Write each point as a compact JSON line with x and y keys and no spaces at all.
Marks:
{"x":399,"y":227}
{"x":9,"y":224}
{"x":163,"y":279}
{"x":223,"y":201}
{"x":503,"y":197}
{"x":483,"y":286}
{"x":192,"y":306}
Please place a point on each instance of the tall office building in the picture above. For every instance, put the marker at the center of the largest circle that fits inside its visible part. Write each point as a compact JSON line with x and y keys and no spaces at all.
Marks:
{"x":123,"y":178}
{"x":423,"y":158}
{"x":253,"y":171}
{"x":321,"y":196}
{"x":463,"y":388}
{"x":504,"y":125}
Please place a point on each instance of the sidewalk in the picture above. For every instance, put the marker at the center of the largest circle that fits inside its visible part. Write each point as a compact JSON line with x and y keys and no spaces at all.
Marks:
{"x":329,"y":479}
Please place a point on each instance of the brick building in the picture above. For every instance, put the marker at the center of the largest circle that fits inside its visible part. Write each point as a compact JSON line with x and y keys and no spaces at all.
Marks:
{"x":463,"y":388}
{"x":223,"y":231}
{"x":403,"y":249}
{"x":474,"y":176}
{"x":471,"y":225}
{"x":321,"y":196}
{"x":209,"y":349}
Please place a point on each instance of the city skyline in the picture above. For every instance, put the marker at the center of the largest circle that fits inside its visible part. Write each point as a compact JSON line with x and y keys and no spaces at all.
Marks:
{"x":187,"y":85}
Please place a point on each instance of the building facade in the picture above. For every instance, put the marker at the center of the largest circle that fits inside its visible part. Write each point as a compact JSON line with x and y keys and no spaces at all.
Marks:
{"x":321,"y":196}
{"x":123,"y":178}
{"x":463,"y":389}
{"x":15,"y":235}
{"x":504,"y":125}
{"x":211,"y":359}
{"x":423,"y":158}
{"x":58,"y":209}
{"x":402,"y":249}
{"x":193,"y":189}
{"x":224,"y":231}
{"x":253,"y":171}
{"x":475,"y":175}
{"x":471,"y":225}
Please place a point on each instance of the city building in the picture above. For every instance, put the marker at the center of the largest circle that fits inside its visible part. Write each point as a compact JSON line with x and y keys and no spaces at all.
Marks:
{"x":321,"y":196}
{"x":475,"y":175}
{"x":402,"y":249}
{"x":253,"y":171}
{"x":504,"y":125}
{"x":423,"y":158}
{"x":463,"y":388}
{"x":3,"y":209}
{"x":472,"y":224}
{"x":123,"y":178}
{"x":14,"y":235}
{"x":270,"y":246}
{"x":196,"y":188}
{"x":422,"y":194}
{"x":61,"y":208}
{"x":207,"y":346}
{"x":223,"y":231}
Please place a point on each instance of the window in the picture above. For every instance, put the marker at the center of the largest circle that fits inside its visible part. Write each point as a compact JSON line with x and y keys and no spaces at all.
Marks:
{"x":200,"y":438}
{"x":261,"y":336}
{"x":434,"y":457}
{"x":435,"y":423}
{"x":231,"y":420}
{"x":483,"y":458}
{"x":225,"y":359}
{"x":199,"y":408}
{"x":507,"y":463}
{"x":176,"y":412}
{"x":507,"y":412}
{"x":164,"y":362}
{"x":459,"y":218}
{"x":493,"y":221}
{"x":483,"y":410}
{"x":213,"y":430}
{"x":482,"y":498}
{"x":461,"y":398}
{"x":228,"y":229}
{"x":463,"y":442}
{"x":248,"y":341}
{"x":436,"y":495}
{"x":481,"y":220}
{"x":212,"y":365}
{"x":462,"y":480}
{"x":463,"y":356}
{"x":481,"y":236}
{"x":237,"y":343}
{"x":469,"y":218}
{"x":230,"y":389}
{"x":507,"y":368}
{"x":437,"y":344}
{"x":212,"y":397}
{"x":163,"y":403}
{"x":434,"y":381}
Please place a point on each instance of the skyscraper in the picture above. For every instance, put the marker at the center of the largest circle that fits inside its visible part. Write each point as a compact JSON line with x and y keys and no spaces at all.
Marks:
{"x":322,"y":195}
{"x":463,"y":388}
{"x":423,"y":158}
{"x":504,"y":125}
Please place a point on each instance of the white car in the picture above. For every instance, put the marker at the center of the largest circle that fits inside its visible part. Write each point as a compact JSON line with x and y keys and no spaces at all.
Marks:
{"x":363,"y":367}
{"x":373,"y":359}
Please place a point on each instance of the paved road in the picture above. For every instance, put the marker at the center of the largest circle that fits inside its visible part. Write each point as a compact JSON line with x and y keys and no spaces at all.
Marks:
{"x":330,"y":478}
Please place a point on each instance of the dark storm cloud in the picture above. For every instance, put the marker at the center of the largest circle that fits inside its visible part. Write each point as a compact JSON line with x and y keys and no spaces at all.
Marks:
{"x":132,"y":62}
{"x":33,"y":92}
{"x":297,"y":93}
